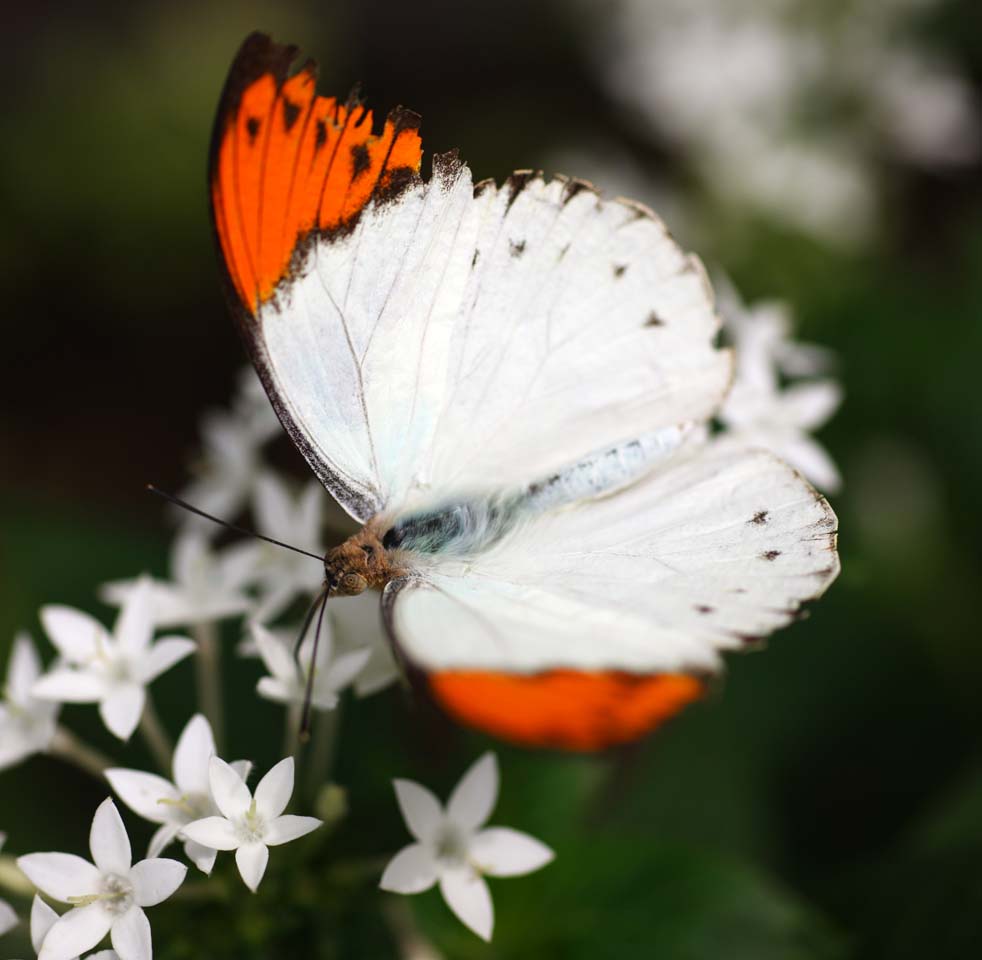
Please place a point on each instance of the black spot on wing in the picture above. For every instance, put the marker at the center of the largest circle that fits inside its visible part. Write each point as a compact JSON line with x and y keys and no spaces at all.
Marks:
{"x":320,"y":137}
{"x":654,"y":320}
{"x":475,"y":258}
{"x":360,"y":160}
{"x":770,"y":555}
{"x":703,"y":608}
{"x":759,"y":517}
{"x":619,"y":270}
{"x":291,"y":111}
{"x":252,"y":128}
{"x":516,"y":247}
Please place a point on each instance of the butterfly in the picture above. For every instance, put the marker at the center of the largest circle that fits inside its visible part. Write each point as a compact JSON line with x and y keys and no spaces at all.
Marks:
{"x":509,"y":388}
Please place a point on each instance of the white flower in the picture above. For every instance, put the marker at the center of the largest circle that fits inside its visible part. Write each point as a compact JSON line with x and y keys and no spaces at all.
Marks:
{"x":354,"y":624}
{"x":111,"y":670}
{"x":758,"y":409}
{"x":284,"y":574}
{"x":249,"y":824}
{"x":188,"y":798}
{"x":231,"y":460}
{"x":27,"y":724}
{"x":453,"y":850}
{"x":287,"y":683}
{"x":206,"y":585}
{"x":107,"y":896}
{"x":8,"y":918}
{"x":43,"y":918}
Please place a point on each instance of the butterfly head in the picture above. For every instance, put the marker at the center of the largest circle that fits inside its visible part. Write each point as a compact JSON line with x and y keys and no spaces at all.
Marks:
{"x":358,"y":564}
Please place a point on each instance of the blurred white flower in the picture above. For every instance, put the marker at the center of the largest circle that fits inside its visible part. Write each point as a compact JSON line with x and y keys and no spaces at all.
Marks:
{"x":107,"y":896}
{"x":206,"y":584}
{"x":230,"y":460}
{"x":287,"y":680}
{"x":758,"y":409}
{"x":249,"y":824}
{"x":785,"y":106}
{"x":282,"y":574}
{"x":43,"y":918}
{"x":355,"y":624}
{"x":27,"y":724}
{"x":453,"y":850}
{"x":8,"y":917}
{"x":112,"y":670}
{"x":188,"y":798}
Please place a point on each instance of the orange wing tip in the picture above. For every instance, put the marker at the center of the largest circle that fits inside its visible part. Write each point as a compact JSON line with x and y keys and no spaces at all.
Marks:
{"x":287,"y":163}
{"x":564,"y":709}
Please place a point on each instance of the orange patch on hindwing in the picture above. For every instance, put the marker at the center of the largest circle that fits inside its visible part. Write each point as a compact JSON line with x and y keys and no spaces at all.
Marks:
{"x":286,"y":163}
{"x":565,"y":709}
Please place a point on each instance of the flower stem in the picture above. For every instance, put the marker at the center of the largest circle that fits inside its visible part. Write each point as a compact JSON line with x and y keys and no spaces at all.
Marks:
{"x":67,"y":746}
{"x":322,"y":750}
{"x":410,"y":941}
{"x":291,"y":730}
{"x":156,"y":736}
{"x":208,"y":673}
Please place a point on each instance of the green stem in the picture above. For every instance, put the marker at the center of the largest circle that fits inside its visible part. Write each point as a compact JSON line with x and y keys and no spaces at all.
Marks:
{"x":291,"y":730}
{"x":156,"y":737}
{"x":320,"y":760}
{"x":208,"y":677}
{"x":408,"y":937}
{"x":67,"y":746}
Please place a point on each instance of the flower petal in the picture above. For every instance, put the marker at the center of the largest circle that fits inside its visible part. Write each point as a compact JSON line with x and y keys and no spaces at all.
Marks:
{"x":60,"y":875}
{"x":42,"y":920}
{"x":468,"y":896}
{"x":155,"y":880}
{"x":134,"y":625}
{"x":194,"y":750}
{"x":146,"y":794}
{"x":345,"y":668}
{"x":273,"y":792}
{"x":501,"y":852}
{"x":251,"y":859}
{"x":270,"y":688}
{"x":411,"y":870}
{"x":108,"y":842}
{"x":23,"y":669}
{"x":78,"y":637}
{"x":420,"y":809}
{"x":202,"y":857}
{"x":278,"y":660}
{"x":284,"y":829}
{"x":70,"y":685}
{"x":216,"y":833}
{"x":228,"y":789}
{"x":474,"y":797}
{"x":162,"y":838}
{"x":8,"y":917}
{"x":131,"y":936}
{"x":163,"y":655}
{"x":122,"y":708}
{"x":75,"y":932}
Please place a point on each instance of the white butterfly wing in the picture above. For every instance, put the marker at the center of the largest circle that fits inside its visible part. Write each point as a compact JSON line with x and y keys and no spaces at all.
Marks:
{"x":706,"y":553}
{"x":423,"y":339}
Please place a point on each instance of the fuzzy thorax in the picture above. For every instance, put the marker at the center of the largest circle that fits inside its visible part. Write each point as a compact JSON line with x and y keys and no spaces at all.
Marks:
{"x":360,"y":563}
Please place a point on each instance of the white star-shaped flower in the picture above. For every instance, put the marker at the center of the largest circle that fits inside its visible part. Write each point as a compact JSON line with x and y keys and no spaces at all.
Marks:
{"x":230,"y":461}
{"x":107,"y":896}
{"x":287,"y":682}
{"x":206,"y":585}
{"x":188,"y":798}
{"x":249,"y":824}
{"x":454,"y":849}
{"x":112,"y":670}
{"x":27,"y":724}
{"x":8,"y":918}
{"x":283,"y":574}
{"x":758,"y":409}
{"x":43,"y":918}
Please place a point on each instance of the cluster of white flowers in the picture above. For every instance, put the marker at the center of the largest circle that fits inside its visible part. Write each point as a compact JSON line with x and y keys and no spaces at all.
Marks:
{"x":785,"y":106}
{"x":197,"y":798}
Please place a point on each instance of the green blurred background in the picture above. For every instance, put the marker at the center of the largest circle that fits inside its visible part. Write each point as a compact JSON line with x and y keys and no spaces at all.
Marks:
{"x":826,"y":802}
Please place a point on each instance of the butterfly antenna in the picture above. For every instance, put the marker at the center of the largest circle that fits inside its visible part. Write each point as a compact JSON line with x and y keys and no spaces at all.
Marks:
{"x":231,"y":526}
{"x":309,"y":691}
